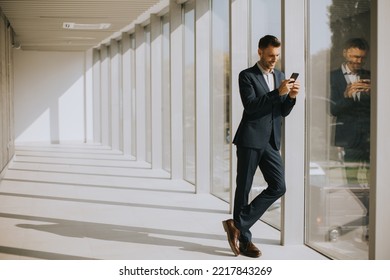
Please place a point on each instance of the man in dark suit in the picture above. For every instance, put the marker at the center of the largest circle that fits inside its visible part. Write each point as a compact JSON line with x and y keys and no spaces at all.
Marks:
{"x":267,"y":97}
{"x":350,"y":105}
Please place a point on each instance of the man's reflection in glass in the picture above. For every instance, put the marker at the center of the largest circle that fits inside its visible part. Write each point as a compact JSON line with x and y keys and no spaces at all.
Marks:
{"x":350,"y":104}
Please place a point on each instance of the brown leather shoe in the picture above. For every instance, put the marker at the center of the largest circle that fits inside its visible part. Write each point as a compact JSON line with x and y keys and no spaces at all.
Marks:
{"x":232,"y":234}
{"x":249,"y":249}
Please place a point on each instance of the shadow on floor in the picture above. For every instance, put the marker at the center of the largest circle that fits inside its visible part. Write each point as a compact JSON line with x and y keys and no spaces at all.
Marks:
{"x":120,"y":233}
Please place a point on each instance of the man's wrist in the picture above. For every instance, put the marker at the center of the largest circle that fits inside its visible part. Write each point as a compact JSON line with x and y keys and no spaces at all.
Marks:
{"x":292,"y":97}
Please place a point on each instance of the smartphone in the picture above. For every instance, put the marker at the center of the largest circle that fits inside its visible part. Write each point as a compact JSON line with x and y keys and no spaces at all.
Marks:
{"x":294,"y":76}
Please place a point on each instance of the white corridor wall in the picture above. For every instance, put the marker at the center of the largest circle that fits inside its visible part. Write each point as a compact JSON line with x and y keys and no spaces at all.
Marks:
{"x":49,"y":97}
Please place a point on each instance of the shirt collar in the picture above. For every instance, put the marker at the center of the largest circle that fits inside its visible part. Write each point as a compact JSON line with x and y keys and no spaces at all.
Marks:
{"x":346,"y":70}
{"x":263,"y":70}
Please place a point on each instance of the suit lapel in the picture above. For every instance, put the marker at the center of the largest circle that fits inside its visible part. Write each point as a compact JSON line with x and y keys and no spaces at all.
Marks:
{"x":341,"y":78}
{"x":260,"y":77}
{"x":278,"y":78}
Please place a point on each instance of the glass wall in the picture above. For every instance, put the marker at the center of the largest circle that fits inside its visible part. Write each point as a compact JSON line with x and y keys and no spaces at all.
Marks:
{"x":133,"y":112}
{"x":120,"y":97}
{"x":220,"y":82}
{"x":264,"y":20}
{"x":166,"y":96}
{"x":148,"y":96}
{"x":338,"y":128}
{"x":189,"y":92}
{"x":336,"y":108}
{"x":6,"y":93}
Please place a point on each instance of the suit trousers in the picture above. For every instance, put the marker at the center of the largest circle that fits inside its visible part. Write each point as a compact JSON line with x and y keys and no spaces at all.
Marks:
{"x":269,"y":161}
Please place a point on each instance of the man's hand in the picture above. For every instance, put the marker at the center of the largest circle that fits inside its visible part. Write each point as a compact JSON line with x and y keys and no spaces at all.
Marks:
{"x":294,"y":90}
{"x":359,"y":86}
{"x":285,"y":87}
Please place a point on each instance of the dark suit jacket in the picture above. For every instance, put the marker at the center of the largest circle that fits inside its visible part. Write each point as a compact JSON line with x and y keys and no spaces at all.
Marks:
{"x":263,"y":109}
{"x":352,"y":117}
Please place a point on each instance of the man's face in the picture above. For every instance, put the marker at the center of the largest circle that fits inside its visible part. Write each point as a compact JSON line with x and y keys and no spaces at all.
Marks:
{"x":354,"y":58}
{"x":269,"y":57}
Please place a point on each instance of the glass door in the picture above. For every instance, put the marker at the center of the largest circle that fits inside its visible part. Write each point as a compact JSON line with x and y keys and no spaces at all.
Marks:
{"x":166,"y":96}
{"x":189,"y":128}
{"x":338,"y":128}
{"x":220,"y":82}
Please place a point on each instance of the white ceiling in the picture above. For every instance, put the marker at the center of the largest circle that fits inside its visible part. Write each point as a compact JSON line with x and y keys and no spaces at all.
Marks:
{"x":38,"y":24}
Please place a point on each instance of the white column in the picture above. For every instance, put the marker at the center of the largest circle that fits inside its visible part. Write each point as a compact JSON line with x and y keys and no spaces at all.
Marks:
{"x":126,"y":92}
{"x":105,"y":95}
{"x":203,"y":94}
{"x":293,"y":202}
{"x":97,"y":130}
{"x":239,"y":61}
{"x":140,"y":95}
{"x":116,"y":126}
{"x":176,"y":89}
{"x":156,"y":90}
{"x":379,"y":245}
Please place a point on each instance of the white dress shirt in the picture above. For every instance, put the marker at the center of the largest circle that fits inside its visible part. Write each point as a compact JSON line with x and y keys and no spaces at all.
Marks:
{"x":268,"y":77}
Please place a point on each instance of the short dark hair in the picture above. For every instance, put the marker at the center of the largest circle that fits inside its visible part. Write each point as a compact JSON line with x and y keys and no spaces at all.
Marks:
{"x":359,"y":43}
{"x":269,"y":40}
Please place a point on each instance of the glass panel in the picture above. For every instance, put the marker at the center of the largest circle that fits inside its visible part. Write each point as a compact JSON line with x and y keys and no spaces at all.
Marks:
{"x":338,"y":128}
{"x":133,"y":115}
{"x":120,"y":48}
{"x":221,"y":135}
{"x":166,"y":97}
{"x":265,"y":21}
{"x":148,"y":97}
{"x":266,"y":18}
{"x":189,"y":93}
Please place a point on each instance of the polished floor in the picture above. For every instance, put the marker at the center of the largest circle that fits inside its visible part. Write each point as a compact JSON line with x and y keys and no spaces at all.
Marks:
{"x":77,"y":202}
